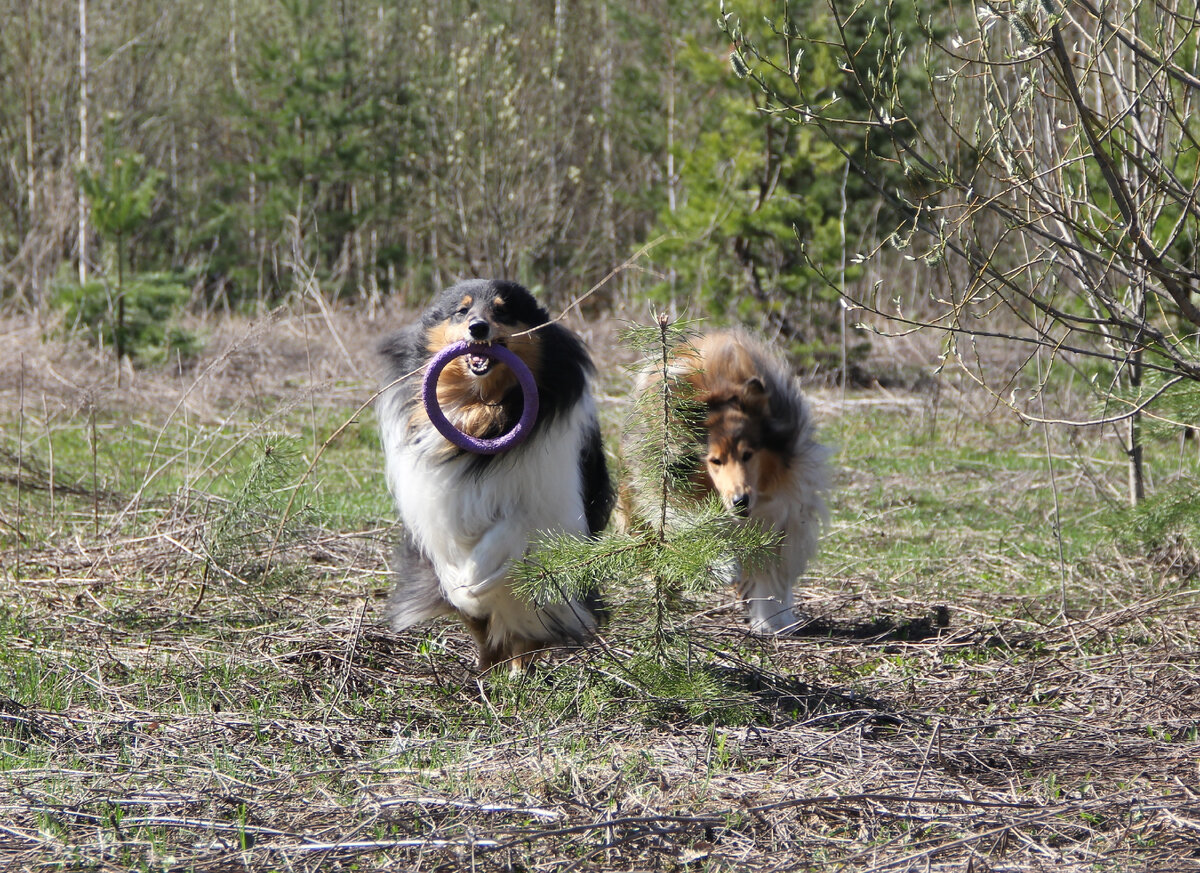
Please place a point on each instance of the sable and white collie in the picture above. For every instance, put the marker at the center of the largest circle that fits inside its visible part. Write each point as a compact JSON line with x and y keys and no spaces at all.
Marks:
{"x":468,"y":517}
{"x":755,"y":447}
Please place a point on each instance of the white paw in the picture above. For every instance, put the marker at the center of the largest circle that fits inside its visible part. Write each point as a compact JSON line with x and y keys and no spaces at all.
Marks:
{"x":771,"y":618}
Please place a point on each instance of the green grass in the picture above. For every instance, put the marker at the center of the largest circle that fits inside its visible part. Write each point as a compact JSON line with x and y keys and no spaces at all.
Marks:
{"x":191,"y":681}
{"x":977,"y":515}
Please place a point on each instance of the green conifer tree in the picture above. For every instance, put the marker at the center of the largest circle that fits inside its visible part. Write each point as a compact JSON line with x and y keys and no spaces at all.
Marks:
{"x":121,"y":197}
{"x":674,"y":546}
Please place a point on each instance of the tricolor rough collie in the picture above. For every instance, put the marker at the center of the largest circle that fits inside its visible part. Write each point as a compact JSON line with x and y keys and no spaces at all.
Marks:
{"x":756,"y":448}
{"x":468,"y":517}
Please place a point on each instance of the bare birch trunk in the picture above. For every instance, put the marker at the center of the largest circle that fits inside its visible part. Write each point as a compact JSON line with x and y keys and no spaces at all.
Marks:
{"x":360,"y":274}
{"x":1137,"y":473}
{"x":1137,"y":470}
{"x":672,"y":176}
{"x":83,"y":139}
{"x":671,"y":195}
{"x":1132,"y":171}
{"x":606,"y":146}
{"x":554,"y":183}
{"x":435,"y":255}
{"x":30,"y":120}
{"x":233,"y":51}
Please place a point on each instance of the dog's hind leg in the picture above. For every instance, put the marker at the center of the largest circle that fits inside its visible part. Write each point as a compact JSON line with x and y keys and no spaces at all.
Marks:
{"x":518,"y":652}
{"x":489,"y":655}
{"x":523,"y":653}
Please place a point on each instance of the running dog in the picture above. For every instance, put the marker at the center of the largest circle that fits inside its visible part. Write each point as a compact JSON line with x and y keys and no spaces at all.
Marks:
{"x":468,"y":517}
{"x":755,"y":447}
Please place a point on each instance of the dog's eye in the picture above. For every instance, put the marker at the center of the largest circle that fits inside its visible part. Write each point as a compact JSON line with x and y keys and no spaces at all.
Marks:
{"x":715,"y":461}
{"x":747,"y":455}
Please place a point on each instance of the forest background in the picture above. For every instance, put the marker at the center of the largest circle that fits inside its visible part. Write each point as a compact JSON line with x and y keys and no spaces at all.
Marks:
{"x":386,"y":149}
{"x":1023,"y":173}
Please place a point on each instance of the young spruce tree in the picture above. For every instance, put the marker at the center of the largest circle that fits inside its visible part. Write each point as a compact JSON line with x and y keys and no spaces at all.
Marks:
{"x":675,"y":543}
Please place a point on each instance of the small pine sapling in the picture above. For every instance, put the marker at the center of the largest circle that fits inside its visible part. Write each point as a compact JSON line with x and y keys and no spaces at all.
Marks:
{"x":674,"y":545}
{"x":241,"y":541}
{"x":122,"y":198}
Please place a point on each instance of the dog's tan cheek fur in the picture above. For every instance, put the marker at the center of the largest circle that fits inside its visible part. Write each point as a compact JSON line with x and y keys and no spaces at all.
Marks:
{"x":768,"y":472}
{"x":456,"y":389}
{"x":730,"y":480}
{"x":728,"y":477}
{"x":454,"y":384}
{"x":439,"y":336}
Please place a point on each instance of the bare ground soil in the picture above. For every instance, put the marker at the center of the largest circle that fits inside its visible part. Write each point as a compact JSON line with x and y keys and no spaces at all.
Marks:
{"x":936,"y":715}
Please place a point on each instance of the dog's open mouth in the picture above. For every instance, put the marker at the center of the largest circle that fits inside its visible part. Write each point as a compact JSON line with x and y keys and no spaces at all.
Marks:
{"x":480,"y":365}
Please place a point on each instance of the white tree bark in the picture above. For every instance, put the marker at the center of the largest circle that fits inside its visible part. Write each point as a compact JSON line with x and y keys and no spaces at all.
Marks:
{"x":83,"y":139}
{"x":606,"y":146}
{"x":30,"y":120}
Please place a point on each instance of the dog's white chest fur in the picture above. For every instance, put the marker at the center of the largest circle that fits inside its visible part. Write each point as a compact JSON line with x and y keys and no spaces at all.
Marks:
{"x":473,"y":523}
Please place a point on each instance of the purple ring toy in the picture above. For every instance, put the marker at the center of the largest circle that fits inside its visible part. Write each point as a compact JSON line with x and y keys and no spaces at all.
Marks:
{"x":464,"y":440}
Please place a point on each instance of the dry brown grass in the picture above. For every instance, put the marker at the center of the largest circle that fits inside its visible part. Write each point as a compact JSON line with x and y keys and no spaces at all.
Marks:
{"x":961,"y":703}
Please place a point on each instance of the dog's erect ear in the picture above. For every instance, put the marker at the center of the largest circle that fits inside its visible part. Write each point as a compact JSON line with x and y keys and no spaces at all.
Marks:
{"x":754,"y":395}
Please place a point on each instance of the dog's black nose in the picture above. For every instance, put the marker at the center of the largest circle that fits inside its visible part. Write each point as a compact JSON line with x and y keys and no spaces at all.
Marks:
{"x":480,"y":329}
{"x":741,"y":504}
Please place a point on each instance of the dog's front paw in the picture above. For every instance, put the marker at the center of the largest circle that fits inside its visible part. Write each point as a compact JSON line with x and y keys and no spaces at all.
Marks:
{"x":768,"y":618}
{"x":491,"y":558}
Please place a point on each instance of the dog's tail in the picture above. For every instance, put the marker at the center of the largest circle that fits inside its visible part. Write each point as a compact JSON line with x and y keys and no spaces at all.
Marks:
{"x":417,"y":595}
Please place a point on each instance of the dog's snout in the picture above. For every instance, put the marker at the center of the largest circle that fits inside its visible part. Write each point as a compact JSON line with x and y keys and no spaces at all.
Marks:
{"x":480,"y":329}
{"x":741,"y":503}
